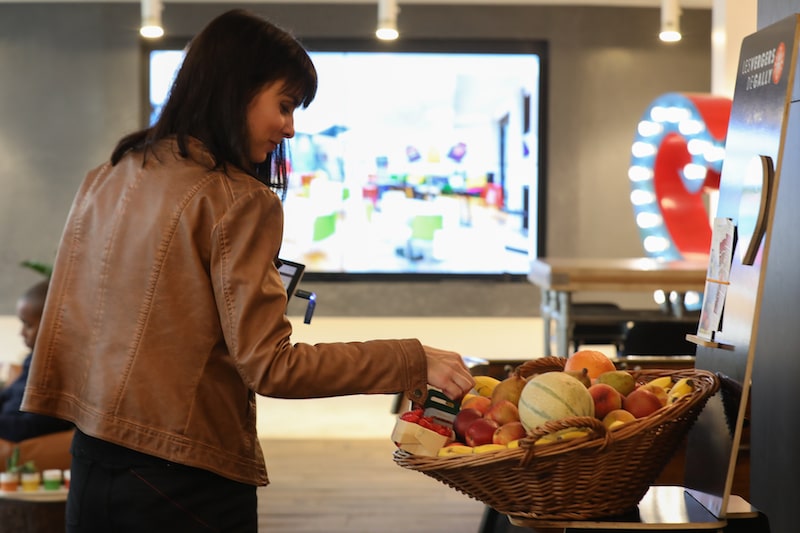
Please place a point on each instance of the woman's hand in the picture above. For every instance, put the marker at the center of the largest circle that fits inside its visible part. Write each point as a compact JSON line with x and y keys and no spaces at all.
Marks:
{"x":447,"y":371}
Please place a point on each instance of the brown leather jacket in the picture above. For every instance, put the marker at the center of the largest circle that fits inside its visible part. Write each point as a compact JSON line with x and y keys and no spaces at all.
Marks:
{"x":165,"y":316}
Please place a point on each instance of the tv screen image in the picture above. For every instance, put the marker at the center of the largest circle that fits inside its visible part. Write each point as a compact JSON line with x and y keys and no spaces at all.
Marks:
{"x":421,"y":160}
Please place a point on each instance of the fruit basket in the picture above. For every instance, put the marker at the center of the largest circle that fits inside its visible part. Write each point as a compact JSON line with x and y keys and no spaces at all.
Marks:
{"x":605,"y":473}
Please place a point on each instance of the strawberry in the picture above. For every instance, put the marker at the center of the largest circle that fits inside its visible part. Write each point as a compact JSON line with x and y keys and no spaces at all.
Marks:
{"x":412,"y":416}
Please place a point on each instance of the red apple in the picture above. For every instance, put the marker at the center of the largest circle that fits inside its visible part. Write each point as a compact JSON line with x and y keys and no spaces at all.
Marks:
{"x":462,"y":421}
{"x":606,"y":399}
{"x":503,"y":412}
{"x":481,"y":431}
{"x":641,"y":402}
{"x":508,"y":432}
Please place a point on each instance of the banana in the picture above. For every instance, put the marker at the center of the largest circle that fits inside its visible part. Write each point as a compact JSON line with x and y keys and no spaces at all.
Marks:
{"x":454,"y":449}
{"x":681,"y":388}
{"x":562,"y":435}
{"x":468,"y":396}
{"x":665,"y":382}
{"x":484,"y":385}
{"x":483,"y":448}
{"x":573,"y":434}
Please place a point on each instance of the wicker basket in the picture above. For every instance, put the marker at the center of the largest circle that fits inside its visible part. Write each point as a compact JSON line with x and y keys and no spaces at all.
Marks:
{"x":603,"y":474}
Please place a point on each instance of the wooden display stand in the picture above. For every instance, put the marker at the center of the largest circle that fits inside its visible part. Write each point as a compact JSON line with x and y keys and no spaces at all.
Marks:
{"x":751,"y":193}
{"x":776,"y":366}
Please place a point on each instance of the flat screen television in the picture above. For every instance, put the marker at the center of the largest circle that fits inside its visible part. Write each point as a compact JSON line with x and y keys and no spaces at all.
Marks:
{"x":416,"y":160}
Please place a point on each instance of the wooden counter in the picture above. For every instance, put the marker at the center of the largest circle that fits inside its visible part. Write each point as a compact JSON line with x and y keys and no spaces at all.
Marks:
{"x":559,"y":278}
{"x":624,"y":275}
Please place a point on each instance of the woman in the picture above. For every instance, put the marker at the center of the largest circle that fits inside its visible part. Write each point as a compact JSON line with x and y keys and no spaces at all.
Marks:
{"x":166,"y":311}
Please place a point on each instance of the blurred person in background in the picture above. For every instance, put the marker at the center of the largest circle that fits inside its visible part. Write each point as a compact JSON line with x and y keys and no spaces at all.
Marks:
{"x":16,"y":425}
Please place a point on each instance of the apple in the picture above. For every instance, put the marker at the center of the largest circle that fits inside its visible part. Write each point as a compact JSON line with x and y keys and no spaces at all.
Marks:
{"x":481,"y":431}
{"x":467,"y":396}
{"x":503,"y":412}
{"x":606,"y":399}
{"x":641,"y":402}
{"x":481,"y":403}
{"x":509,"y":432}
{"x":617,"y":417}
{"x":462,"y":421}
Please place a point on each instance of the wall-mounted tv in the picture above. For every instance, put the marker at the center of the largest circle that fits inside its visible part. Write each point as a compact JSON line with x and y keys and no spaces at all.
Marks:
{"x":419,"y":159}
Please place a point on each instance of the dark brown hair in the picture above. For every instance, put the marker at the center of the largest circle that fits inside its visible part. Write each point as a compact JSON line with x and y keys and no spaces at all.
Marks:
{"x":36,"y":295}
{"x":226,"y":64}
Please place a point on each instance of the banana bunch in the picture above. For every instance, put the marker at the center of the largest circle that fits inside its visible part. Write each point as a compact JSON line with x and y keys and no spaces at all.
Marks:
{"x":665,"y":382}
{"x":674,"y":391}
{"x":681,"y":388}
{"x":484,"y":385}
{"x":454,"y":449}
{"x":562,"y":435}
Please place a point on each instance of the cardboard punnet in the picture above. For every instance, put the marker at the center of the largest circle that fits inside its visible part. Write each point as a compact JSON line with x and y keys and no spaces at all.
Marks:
{"x":418,"y":440}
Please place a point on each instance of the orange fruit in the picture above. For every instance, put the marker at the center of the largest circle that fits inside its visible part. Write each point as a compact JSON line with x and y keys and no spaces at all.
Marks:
{"x":593,"y":361}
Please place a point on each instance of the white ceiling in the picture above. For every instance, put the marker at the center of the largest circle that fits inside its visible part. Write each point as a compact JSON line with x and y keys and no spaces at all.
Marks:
{"x":696,"y":4}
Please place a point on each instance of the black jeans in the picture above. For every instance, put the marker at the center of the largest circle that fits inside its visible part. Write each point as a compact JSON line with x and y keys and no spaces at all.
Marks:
{"x":116,"y":489}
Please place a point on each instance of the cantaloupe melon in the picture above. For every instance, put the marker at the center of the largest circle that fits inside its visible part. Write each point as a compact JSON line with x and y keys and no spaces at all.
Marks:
{"x":552,"y":396}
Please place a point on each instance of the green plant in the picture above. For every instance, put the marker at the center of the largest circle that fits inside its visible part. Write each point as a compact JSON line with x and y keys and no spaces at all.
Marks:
{"x":13,"y":464}
{"x":44,"y":269}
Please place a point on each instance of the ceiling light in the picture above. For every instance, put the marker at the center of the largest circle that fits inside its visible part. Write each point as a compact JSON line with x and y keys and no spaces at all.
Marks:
{"x":670,"y":21}
{"x":151,"y":19}
{"x":387,"y":20}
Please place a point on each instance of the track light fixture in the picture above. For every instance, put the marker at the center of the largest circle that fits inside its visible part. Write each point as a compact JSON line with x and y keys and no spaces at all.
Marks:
{"x":151,"y":19}
{"x":670,"y":21}
{"x":387,"y":20}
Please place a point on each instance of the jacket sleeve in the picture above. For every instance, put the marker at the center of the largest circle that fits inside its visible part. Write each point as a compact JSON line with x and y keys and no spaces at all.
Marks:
{"x":16,"y":427}
{"x":252,"y":301}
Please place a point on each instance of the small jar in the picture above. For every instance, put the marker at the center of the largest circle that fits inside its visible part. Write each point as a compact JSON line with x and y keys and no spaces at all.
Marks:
{"x":51,"y":479}
{"x":9,"y":481}
{"x":65,"y":476}
{"x":31,"y":481}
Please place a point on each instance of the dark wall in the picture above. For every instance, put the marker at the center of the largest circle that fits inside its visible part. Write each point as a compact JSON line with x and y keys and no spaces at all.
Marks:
{"x":775,"y":413}
{"x":70,"y":87}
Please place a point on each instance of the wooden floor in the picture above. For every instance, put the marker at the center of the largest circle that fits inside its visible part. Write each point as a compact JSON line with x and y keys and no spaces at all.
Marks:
{"x":354,"y":486}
